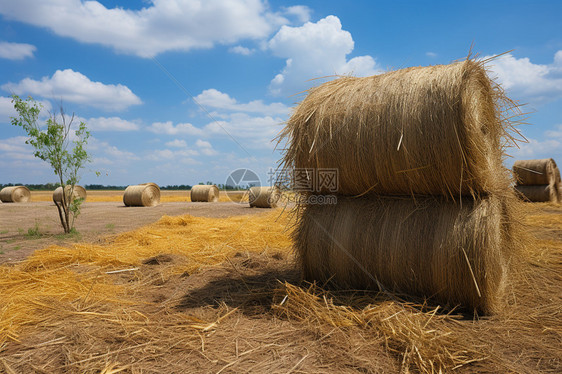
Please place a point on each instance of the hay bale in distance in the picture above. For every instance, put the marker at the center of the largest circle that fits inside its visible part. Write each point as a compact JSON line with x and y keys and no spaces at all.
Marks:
{"x":15,"y":194}
{"x":264,"y":197}
{"x":147,"y":194}
{"x":537,"y":193}
{"x":205,"y":193}
{"x":428,"y":246}
{"x":422,"y":130}
{"x":78,"y":193}
{"x":535,"y":172}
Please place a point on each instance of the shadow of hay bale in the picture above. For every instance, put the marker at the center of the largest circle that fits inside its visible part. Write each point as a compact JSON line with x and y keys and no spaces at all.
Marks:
{"x":248,"y":282}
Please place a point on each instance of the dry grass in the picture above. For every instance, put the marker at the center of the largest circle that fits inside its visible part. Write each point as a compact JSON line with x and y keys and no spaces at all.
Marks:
{"x":193,"y":294}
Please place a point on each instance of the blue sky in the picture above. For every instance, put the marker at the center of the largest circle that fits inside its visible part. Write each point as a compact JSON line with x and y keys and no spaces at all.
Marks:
{"x":132,"y":69}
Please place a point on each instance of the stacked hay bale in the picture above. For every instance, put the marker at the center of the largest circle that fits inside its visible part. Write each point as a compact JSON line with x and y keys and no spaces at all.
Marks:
{"x":537,"y":180}
{"x":146,"y":194}
{"x":15,"y":194}
{"x":207,"y":193}
{"x":79,"y":192}
{"x":424,"y":205}
{"x":264,"y":197}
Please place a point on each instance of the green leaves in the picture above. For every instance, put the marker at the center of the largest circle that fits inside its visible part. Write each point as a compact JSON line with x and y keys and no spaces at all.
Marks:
{"x":52,"y":145}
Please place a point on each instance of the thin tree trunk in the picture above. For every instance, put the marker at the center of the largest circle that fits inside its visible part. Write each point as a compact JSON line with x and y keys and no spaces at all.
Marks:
{"x":61,"y":216}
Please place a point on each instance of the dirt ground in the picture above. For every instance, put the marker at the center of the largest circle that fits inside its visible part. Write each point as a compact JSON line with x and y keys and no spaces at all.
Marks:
{"x":253,"y":314}
{"x":34,"y":225}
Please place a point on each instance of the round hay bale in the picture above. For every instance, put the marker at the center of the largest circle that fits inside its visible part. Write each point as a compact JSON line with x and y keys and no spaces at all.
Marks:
{"x":537,"y":193}
{"x":453,"y":252}
{"x":15,"y":194}
{"x":535,"y":172}
{"x":557,"y":184}
{"x":205,"y":193}
{"x":264,"y":197}
{"x":147,"y":194}
{"x":78,"y":193}
{"x":422,"y":130}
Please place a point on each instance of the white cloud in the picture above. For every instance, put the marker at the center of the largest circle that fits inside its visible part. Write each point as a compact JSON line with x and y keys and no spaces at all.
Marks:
{"x":258,"y":132}
{"x":536,"y":148}
{"x":526,"y":81}
{"x":302,"y":12}
{"x":71,"y":86}
{"x":177,"y":143}
{"x":15,"y":145}
{"x":163,"y":25}
{"x":315,"y":50}
{"x":205,"y":147}
{"x":217,"y":99}
{"x":16,"y":51}
{"x":241,"y":50}
{"x":431,"y":54}
{"x":183,"y":155}
{"x":98,"y":147}
{"x":109,"y":124}
{"x":7,"y":109}
{"x":168,"y":128}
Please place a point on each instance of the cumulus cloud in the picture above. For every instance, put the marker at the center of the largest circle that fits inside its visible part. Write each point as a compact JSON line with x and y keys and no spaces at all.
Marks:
{"x":205,"y":147}
{"x":16,"y":145}
{"x":7,"y":109}
{"x":74,"y":87}
{"x":110,"y":124}
{"x":185,"y":156}
{"x":107,"y":150}
{"x":315,"y":50}
{"x":526,"y":81}
{"x":177,"y":143}
{"x":168,"y":128}
{"x":302,"y":12}
{"x":16,"y":51}
{"x":216,"y":99}
{"x":258,"y":131}
{"x":241,"y":50}
{"x":163,"y":25}
{"x":535,"y":148}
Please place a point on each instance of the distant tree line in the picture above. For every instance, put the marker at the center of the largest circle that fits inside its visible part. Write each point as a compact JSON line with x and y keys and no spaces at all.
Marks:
{"x":172,"y":187}
{"x":34,"y":187}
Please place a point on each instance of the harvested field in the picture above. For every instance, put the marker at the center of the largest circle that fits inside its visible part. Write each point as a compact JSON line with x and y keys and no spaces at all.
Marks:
{"x":165,"y":196}
{"x":202,"y":294}
{"x":103,"y":214}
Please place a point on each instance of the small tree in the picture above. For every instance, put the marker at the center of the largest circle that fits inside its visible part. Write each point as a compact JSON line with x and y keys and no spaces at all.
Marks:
{"x":52,"y":146}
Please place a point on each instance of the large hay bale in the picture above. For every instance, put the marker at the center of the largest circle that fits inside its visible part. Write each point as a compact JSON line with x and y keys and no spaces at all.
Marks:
{"x":15,"y":194}
{"x":147,"y":194}
{"x":205,"y":193}
{"x":535,"y":172}
{"x":557,"y":184}
{"x":454,"y":252}
{"x":79,"y":192}
{"x":422,"y":130}
{"x":538,"y":193}
{"x":264,"y":197}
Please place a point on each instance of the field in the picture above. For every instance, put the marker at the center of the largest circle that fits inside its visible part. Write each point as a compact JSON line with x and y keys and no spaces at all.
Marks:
{"x":215,"y":288}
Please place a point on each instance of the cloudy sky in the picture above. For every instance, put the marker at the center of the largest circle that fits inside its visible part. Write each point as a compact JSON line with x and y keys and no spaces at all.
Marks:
{"x":186,"y":91}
